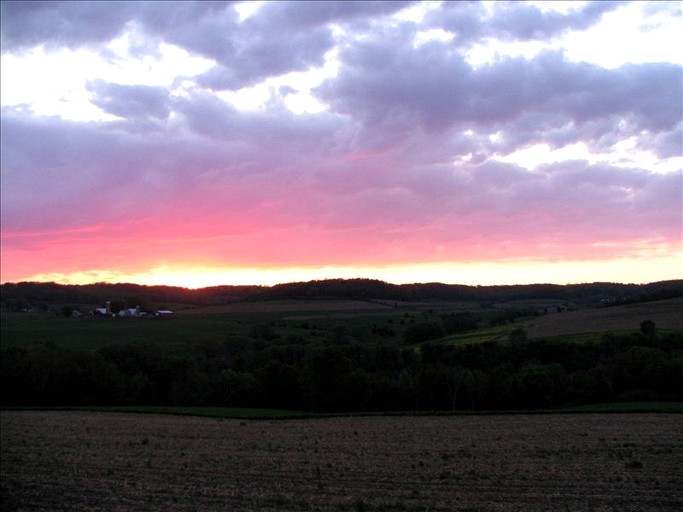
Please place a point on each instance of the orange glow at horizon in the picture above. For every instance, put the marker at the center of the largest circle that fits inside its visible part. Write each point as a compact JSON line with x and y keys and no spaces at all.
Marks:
{"x":528,"y":271}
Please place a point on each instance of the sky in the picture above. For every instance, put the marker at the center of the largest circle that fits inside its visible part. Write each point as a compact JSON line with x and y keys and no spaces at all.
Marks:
{"x":209,"y":143}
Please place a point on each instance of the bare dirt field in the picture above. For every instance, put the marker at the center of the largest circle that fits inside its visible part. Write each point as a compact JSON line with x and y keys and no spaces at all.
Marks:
{"x":111,"y":461}
{"x":667,"y":314}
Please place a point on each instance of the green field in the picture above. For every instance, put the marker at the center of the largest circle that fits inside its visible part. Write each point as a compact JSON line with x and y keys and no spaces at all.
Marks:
{"x":346,"y":356}
{"x":479,"y":336}
{"x":313,"y":321}
{"x":305,"y":320}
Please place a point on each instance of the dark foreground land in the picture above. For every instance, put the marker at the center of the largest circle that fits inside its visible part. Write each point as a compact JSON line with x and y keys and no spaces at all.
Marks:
{"x":65,"y":460}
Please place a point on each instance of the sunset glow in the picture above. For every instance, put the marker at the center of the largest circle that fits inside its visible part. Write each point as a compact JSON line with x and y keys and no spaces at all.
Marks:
{"x":519,"y":272}
{"x":183,"y":143}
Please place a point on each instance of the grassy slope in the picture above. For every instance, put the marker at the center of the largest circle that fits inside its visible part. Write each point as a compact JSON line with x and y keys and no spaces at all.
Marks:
{"x":275,"y":414}
{"x":479,"y":336}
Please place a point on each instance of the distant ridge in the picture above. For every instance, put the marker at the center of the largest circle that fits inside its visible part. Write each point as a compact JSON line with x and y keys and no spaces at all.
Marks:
{"x":15,"y":295}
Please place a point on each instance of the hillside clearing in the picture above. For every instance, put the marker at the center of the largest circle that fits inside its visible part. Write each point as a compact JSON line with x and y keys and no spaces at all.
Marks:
{"x":667,"y":314}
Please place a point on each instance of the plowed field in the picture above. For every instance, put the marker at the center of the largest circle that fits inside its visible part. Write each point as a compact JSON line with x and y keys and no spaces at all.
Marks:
{"x":110,"y":461}
{"x":667,"y":314}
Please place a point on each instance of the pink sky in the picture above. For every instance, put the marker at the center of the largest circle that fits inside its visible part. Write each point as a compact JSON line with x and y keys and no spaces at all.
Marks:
{"x":185,"y":143}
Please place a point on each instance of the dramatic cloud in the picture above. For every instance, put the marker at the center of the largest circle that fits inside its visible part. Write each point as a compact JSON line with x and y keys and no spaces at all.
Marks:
{"x":55,"y":24}
{"x":133,"y":102}
{"x":515,"y":21}
{"x":139,"y":136}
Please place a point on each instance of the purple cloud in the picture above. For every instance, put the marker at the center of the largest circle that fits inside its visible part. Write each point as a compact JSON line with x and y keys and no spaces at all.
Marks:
{"x":515,"y":21}
{"x":403,"y":162}
{"x":387,"y":83}
{"x":133,"y":102}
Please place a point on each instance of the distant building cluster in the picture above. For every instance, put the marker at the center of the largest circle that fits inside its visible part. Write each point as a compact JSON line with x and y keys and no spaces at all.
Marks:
{"x":135,"y":312}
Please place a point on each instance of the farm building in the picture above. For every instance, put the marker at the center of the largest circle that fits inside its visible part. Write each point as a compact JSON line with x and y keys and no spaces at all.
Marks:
{"x":105,"y":311}
{"x":130,"y":312}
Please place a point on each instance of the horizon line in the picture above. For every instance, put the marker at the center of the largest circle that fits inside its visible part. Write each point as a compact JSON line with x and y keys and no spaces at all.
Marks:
{"x":131,"y":283}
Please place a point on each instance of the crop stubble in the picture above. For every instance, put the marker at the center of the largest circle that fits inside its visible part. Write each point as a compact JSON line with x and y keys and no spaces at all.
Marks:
{"x":113,"y":461}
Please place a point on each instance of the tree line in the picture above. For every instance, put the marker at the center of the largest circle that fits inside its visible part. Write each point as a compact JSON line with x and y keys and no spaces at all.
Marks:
{"x":21,"y":296}
{"x":265,"y":370}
